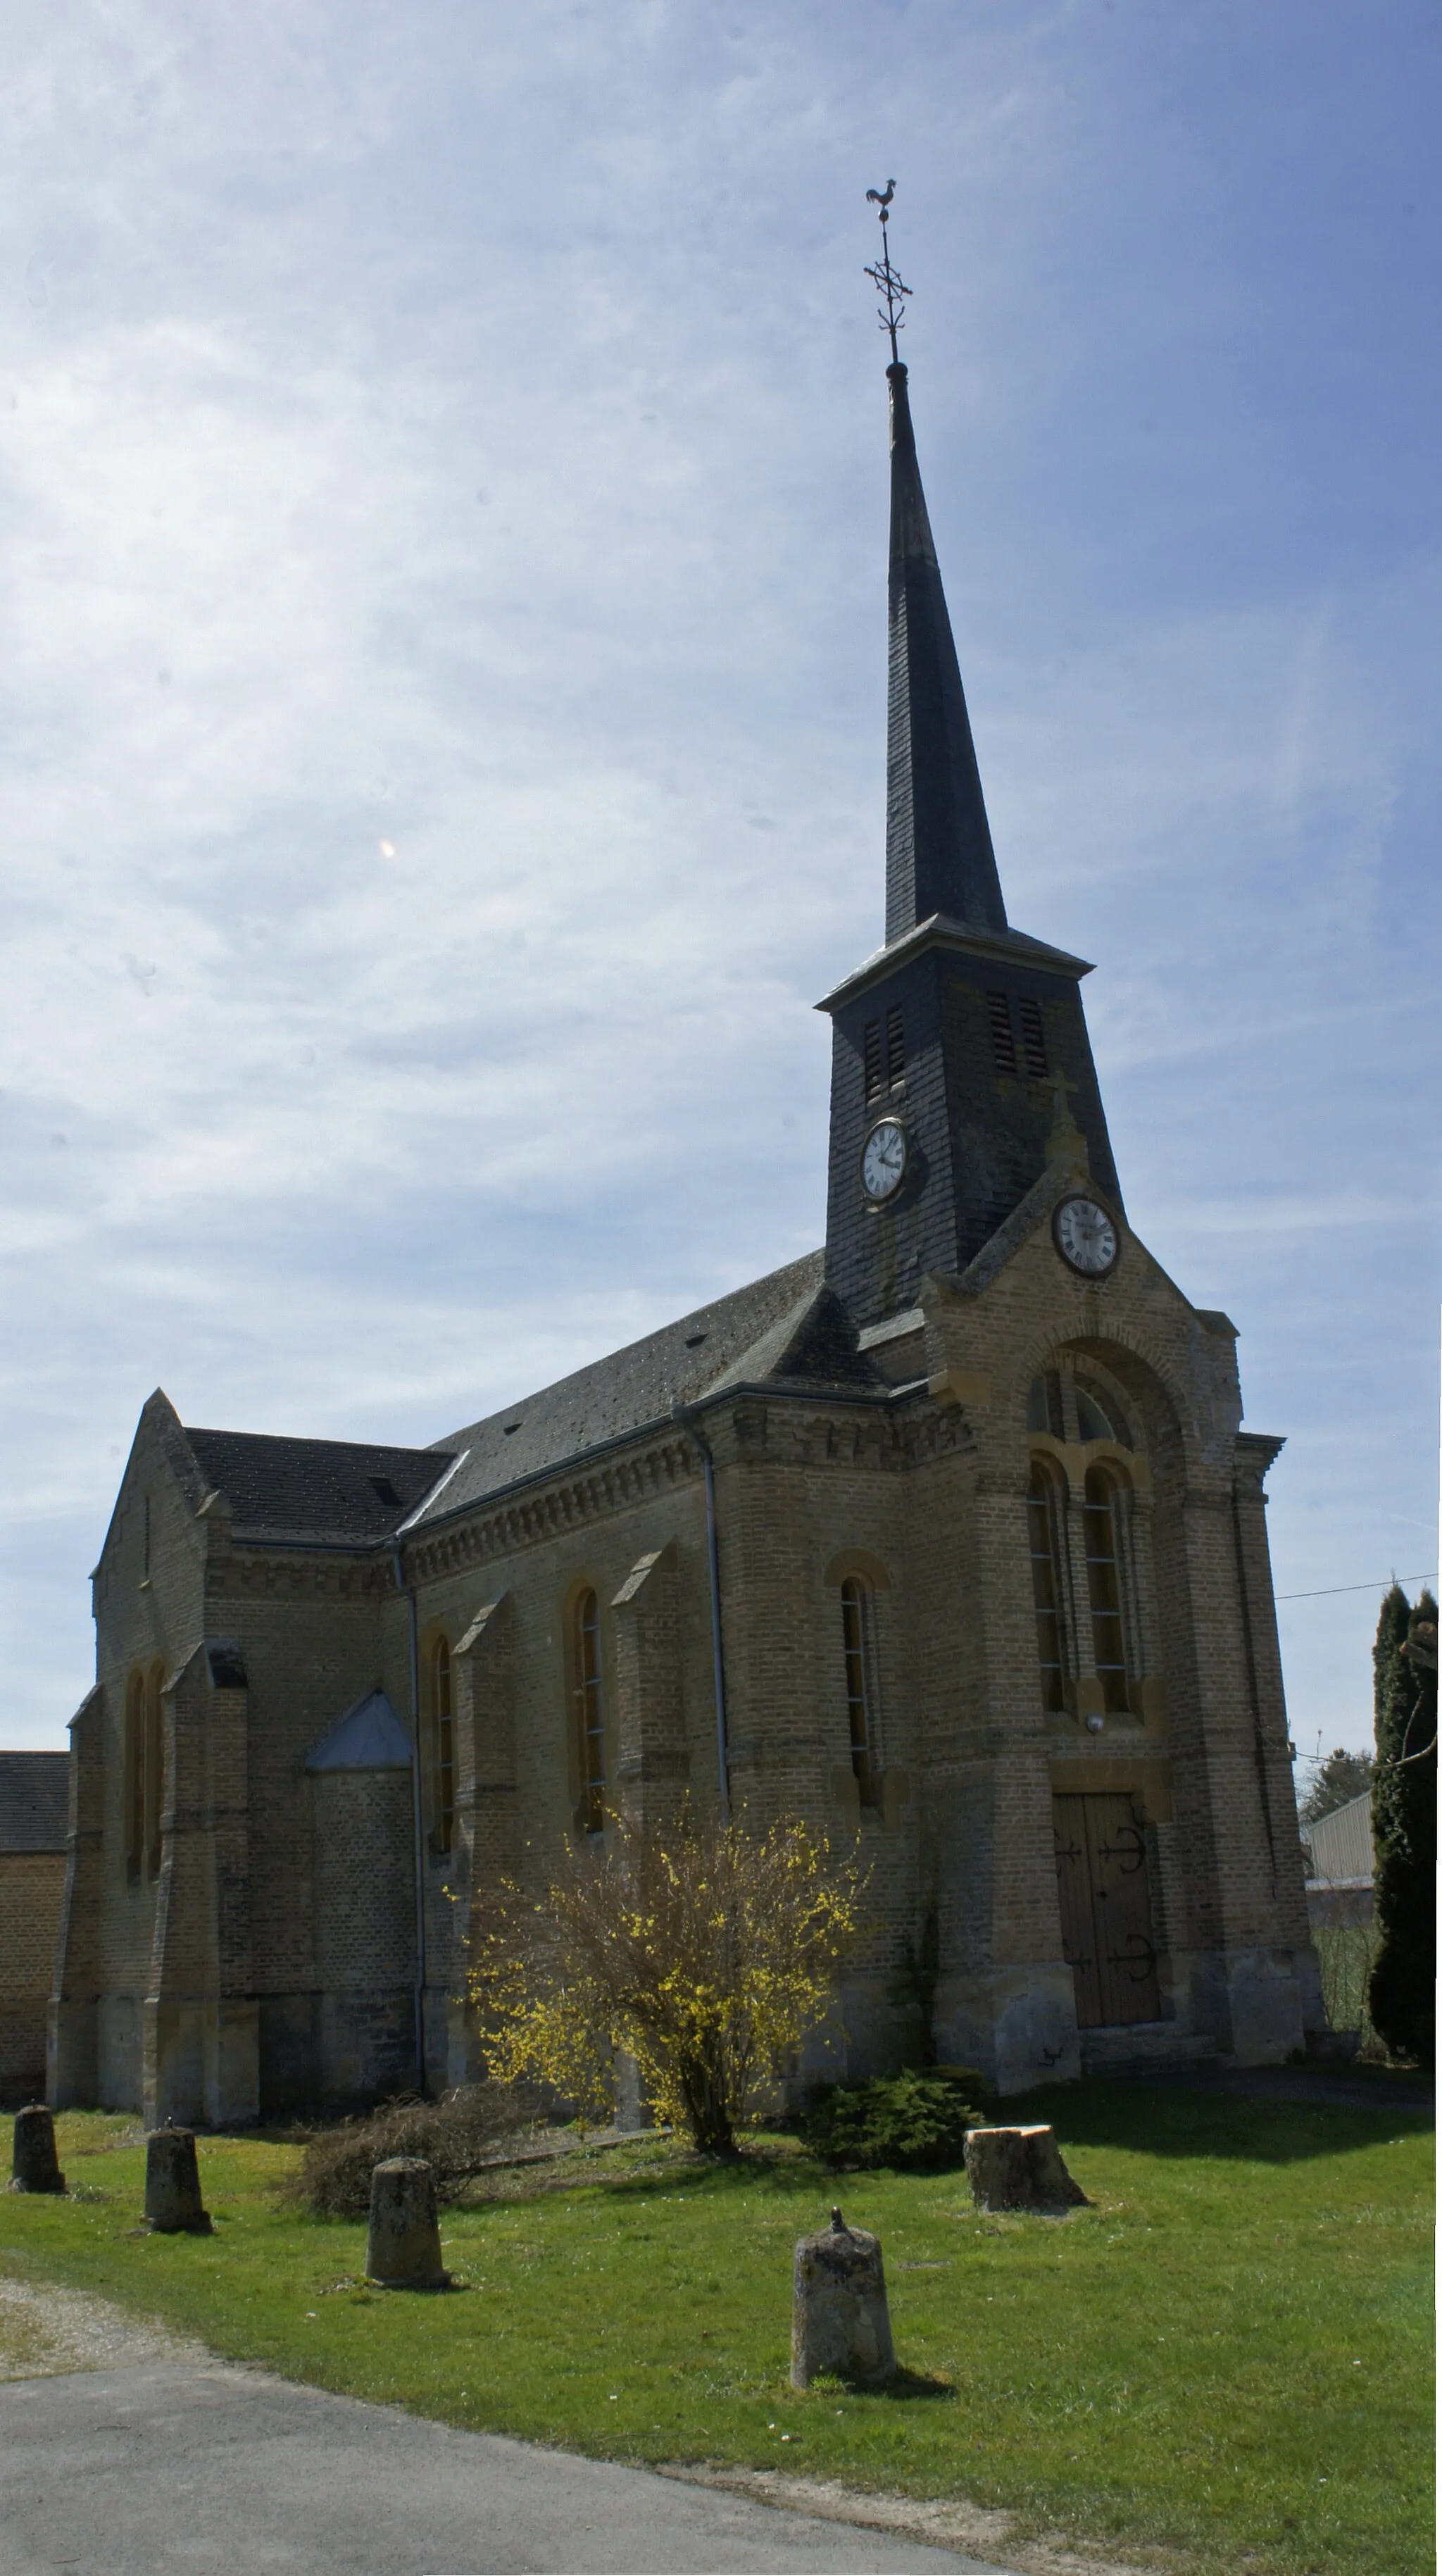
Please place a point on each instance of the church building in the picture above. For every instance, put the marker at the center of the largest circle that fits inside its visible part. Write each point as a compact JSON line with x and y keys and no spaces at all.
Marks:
{"x":946,"y":1538}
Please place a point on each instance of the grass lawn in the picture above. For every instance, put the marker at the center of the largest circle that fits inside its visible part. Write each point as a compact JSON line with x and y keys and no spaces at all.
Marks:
{"x":1228,"y":2357}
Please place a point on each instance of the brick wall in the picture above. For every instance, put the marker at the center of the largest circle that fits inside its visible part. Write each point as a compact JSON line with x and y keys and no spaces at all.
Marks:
{"x":32,"y":1889}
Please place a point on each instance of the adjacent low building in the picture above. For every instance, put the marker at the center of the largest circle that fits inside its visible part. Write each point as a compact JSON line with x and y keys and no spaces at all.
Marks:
{"x":1340,"y":1865}
{"x":34,"y":1807}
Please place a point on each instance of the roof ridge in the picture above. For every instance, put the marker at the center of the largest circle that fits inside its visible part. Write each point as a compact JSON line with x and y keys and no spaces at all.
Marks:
{"x":308,"y":1440}
{"x":614,"y":1396}
{"x":644,"y":1341}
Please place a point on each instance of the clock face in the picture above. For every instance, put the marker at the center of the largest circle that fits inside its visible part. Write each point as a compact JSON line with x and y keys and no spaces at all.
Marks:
{"x":1085,"y":1237}
{"x":883,"y":1161}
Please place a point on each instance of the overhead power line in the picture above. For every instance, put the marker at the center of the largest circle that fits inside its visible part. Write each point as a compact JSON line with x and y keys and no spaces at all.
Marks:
{"x":1328,"y":1589}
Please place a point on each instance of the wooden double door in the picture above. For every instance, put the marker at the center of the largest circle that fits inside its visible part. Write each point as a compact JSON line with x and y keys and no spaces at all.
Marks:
{"x":1106,"y":1909}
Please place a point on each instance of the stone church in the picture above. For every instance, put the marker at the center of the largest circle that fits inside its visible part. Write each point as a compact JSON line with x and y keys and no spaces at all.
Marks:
{"x":947,"y":1538}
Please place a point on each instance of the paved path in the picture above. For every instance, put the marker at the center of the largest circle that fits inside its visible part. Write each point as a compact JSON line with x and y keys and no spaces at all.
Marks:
{"x":171,"y":2463}
{"x":1379,"y":2089}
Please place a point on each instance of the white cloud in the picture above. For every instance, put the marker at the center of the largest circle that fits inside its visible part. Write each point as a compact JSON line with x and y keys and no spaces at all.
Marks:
{"x":463,"y":432}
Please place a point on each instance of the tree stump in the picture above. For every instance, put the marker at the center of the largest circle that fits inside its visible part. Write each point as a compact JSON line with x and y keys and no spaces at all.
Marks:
{"x":34,"y":2165}
{"x":403,"y":2247}
{"x":172,"y":2184}
{"x":839,"y":2317}
{"x":1019,"y":2169}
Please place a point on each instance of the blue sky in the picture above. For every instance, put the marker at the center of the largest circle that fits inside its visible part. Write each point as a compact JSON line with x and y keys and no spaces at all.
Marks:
{"x":442,"y":464}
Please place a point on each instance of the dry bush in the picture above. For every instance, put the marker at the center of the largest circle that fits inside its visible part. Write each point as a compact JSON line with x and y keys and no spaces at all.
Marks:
{"x":457,"y":2136}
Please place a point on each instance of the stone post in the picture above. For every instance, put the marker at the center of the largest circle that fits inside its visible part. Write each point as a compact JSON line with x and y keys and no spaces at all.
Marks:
{"x":1019,"y":2169}
{"x":34,"y":2166}
{"x":403,"y":2248}
{"x":839,"y":2318}
{"x":172,"y":2184}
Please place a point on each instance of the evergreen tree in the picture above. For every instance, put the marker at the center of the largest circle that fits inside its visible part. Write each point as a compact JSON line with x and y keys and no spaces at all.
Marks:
{"x":1404,"y":1826}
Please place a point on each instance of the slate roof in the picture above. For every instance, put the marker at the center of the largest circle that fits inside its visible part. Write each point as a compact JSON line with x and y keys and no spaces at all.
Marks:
{"x":331,"y":1492}
{"x":939,"y":855}
{"x":34,"y":1801}
{"x":787,"y":1328}
{"x":370,"y":1737}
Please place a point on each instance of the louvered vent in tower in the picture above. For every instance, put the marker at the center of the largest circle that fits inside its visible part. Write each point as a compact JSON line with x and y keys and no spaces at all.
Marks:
{"x":1003,"y":1044}
{"x":1033,"y":1041}
{"x":872,"y":1058}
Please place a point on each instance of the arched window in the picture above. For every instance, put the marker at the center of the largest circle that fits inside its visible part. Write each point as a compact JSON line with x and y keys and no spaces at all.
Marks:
{"x":1104,"y":1589}
{"x":1044,"y":1405}
{"x":443,"y":1787}
{"x":590,"y":1711}
{"x":856,"y":1637}
{"x":1099,"y":1416}
{"x":134,"y":1778}
{"x":1043,"y":1520}
{"x":154,"y":1768}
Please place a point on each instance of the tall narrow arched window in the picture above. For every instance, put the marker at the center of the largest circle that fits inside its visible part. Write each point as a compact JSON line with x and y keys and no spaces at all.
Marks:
{"x":857,"y":1642}
{"x":1043,"y":1521}
{"x":134,"y":1774}
{"x":1104,"y":1589}
{"x":590,"y":1711}
{"x":154,"y":1768}
{"x":443,"y":1786}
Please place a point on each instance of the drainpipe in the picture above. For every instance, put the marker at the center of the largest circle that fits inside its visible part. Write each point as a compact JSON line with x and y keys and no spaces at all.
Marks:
{"x":682,"y":1413}
{"x":417,"y":1826}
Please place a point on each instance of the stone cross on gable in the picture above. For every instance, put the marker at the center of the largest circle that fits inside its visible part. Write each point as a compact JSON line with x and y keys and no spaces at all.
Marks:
{"x":1065,"y":1142}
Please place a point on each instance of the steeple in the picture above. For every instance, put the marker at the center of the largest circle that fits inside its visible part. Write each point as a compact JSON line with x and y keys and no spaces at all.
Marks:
{"x":961,"y":1070}
{"x":939,"y":856}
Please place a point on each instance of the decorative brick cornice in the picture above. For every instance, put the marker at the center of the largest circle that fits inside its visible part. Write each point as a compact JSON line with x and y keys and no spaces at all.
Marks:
{"x":531,"y":1519}
{"x":1256,"y":1451}
{"x":781,"y":1428}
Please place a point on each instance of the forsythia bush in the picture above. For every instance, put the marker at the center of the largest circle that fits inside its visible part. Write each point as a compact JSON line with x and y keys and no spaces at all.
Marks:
{"x":704,"y":1953}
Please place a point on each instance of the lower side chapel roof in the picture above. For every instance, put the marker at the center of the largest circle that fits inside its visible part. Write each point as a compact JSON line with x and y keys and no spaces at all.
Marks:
{"x":34,"y":1801}
{"x":319,"y":1491}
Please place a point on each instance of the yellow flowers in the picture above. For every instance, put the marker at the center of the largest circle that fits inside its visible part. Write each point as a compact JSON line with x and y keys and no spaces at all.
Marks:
{"x":702,"y":1953}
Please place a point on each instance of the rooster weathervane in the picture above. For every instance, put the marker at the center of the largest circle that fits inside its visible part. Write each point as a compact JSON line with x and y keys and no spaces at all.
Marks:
{"x":883,"y":275}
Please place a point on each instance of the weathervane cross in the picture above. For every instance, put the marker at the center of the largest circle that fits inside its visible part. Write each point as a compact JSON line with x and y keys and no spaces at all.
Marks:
{"x":888,"y":279}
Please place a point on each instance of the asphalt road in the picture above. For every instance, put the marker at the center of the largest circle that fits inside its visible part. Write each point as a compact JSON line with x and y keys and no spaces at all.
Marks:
{"x":169,"y":2464}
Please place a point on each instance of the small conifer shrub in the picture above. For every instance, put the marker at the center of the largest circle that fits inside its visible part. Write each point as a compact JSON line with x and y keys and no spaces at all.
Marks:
{"x":915,"y":2122}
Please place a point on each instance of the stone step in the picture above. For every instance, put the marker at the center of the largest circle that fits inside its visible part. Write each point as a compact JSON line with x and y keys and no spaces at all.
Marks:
{"x":1149,"y":2044}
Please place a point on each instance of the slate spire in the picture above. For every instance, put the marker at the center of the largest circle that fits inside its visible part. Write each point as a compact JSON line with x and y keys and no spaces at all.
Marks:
{"x":939,"y":856}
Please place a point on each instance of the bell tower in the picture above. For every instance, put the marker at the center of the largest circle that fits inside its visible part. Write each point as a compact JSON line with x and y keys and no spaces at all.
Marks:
{"x":960,"y":1051}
